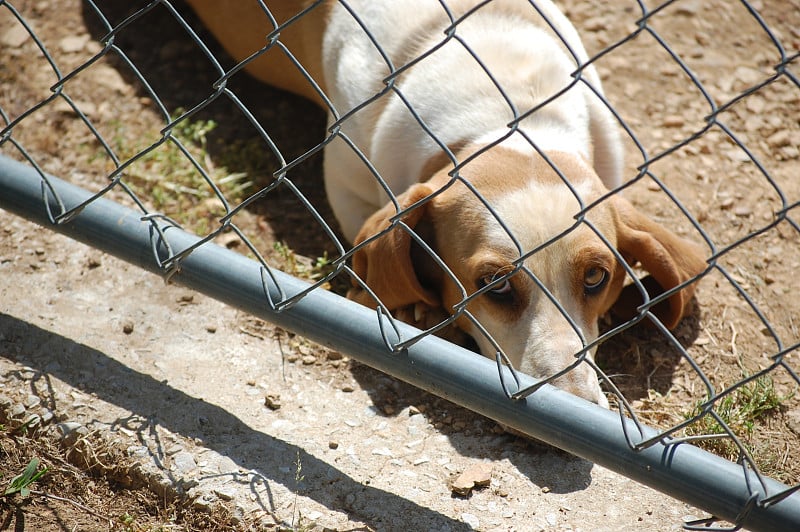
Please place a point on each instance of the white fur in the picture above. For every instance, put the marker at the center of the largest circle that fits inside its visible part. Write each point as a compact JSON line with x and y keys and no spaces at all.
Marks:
{"x":451,"y":92}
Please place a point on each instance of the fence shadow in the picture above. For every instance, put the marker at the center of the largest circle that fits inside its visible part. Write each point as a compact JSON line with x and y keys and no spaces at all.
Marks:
{"x":77,"y":364}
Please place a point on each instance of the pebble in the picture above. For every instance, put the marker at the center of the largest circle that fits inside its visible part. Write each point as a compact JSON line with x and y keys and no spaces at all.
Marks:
{"x":673,"y":121}
{"x":272,"y":401}
{"x":204,"y":502}
{"x":73,"y":43}
{"x":108,"y":77}
{"x":71,"y":431}
{"x":476,"y":476}
{"x":225,"y":493}
{"x":32,"y":401}
{"x":15,"y":37}
{"x":382,"y":451}
{"x":471,"y":520}
{"x":779,"y":139}
{"x":183,"y":462}
{"x":17,"y":410}
{"x":127,"y":327}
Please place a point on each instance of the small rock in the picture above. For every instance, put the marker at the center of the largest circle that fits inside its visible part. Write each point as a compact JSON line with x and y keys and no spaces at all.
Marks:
{"x":755,"y":104}
{"x":204,"y":502}
{"x":347,"y":388}
{"x":545,"y":489}
{"x":747,"y":76}
{"x":226,"y":494}
{"x":742,"y":211}
{"x":15,"y":37}
{"x":272,"y":401}
{"x":471,"y":521}
{"x":173,"y":449}
{"x":32,"y":401}
{"x":476,"y":476}
{"x":183,"y":462}
{"x":335,"y":355}
{"x":73,"y":43}
{"x":71,"y":432}
{"x":779,"y":139}
{"x":17,"y":410}
{"x":673,"y":121}
{"x":308,"y":360}
{"x":792,"y":420}
{"x":333,"y":444}
{"x":382,"y":451}
{"x":595,"y":24}
{"x":32,"y":421}
{"x":108,"y":77}
{"x":127,"y":327}
{"x":211,"y":329}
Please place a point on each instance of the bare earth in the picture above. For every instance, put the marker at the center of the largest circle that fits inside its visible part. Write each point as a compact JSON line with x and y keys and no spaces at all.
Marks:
{"x":160,"y":407}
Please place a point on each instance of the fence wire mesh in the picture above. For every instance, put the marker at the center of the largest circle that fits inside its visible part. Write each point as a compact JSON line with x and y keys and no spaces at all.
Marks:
{"x":706,"y":97}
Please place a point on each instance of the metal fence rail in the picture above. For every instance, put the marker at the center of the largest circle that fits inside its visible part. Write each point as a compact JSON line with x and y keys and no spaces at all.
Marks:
{"x":145,"y":233}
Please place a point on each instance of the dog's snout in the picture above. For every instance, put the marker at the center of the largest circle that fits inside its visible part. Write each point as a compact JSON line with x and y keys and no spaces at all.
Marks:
{"x":583,"y":382}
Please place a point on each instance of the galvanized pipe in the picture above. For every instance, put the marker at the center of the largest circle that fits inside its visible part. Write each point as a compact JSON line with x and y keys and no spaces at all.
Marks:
{"x":550,"y":415}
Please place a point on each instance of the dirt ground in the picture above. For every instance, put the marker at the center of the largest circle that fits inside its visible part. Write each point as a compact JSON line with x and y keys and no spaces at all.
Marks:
{"x":157,"y":407}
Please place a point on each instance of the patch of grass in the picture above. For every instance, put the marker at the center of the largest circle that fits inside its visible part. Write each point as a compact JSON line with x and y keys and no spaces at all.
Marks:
{"x":299,"y":266}
{"x":742,"y":411}
{"x":166,"y":179}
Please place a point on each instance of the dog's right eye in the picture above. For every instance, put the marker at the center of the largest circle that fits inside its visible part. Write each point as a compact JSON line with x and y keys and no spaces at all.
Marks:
{"x":594,"y":279}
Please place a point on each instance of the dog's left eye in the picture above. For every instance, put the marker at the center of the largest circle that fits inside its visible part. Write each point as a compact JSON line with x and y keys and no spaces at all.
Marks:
{"x":503,"y":289}
{"x":594,"y":279}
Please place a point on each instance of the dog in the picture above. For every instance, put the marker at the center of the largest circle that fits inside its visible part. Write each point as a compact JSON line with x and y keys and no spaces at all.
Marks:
{"x":496,"y":156}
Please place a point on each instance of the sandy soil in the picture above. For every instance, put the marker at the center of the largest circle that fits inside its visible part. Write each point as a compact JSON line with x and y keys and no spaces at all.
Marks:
{"x":197,"y":402}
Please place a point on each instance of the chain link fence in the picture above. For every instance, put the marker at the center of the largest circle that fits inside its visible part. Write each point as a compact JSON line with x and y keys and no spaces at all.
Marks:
{"x":707,"y":101}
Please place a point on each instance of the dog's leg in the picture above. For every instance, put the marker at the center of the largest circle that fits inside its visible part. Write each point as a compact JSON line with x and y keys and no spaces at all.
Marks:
{"x":607,"y":145}
{"x":350,"y":187}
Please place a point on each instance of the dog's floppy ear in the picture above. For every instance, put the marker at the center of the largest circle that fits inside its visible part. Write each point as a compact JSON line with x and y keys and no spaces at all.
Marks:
{"x":385,"y":263}
{"x":668,"y":258}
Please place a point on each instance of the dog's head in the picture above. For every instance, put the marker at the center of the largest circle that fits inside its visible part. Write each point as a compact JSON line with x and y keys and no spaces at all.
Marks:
{"x":490,"y":252}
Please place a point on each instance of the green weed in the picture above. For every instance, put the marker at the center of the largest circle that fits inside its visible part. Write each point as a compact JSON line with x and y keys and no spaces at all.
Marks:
{"x":22,"y":482}
{"x":741,"y":410}
{"x":166,"y":178}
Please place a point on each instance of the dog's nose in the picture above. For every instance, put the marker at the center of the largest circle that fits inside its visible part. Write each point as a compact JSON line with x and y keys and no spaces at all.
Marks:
{"x":582,"y":381}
